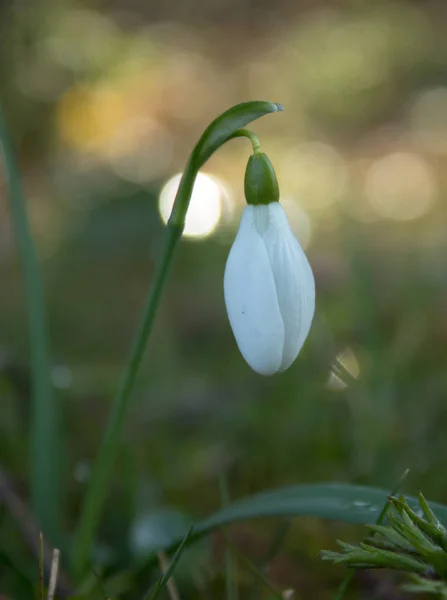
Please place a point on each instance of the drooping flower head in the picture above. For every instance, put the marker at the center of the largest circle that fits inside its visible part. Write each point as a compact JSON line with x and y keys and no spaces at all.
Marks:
{"x":268,"y":284}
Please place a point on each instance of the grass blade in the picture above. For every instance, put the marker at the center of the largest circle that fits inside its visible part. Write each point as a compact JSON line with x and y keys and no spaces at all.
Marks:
{"x":334,"y":501}
{"x":230,"y":570}
{"x":41,"y":573}
{"x":44,"y":483}
{"x":256,"y":572}
{"x":339,"y":502}
{"x":100,"y":584}
{"x":53,"y":575}
{"x":163,"y":581}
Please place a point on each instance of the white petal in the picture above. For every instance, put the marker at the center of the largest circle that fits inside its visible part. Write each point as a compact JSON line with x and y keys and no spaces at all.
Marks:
{"x":295,"y":285}
{"x":251,"y":300}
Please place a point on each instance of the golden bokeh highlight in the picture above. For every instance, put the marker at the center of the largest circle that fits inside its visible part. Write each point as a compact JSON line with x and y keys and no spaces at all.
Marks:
{"x":314,"y":173}
{"x":401,"y":186}
{"x":89,"y":117}
{"x":205,"y":207}
{"x":428,"y":119}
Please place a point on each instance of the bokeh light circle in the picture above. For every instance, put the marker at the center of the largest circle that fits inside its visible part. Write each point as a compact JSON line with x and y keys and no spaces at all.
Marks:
{"x":400,"y":186}
{"x":428,"y":119}
{"x":205,"y":207}
{"x":315,"y":173}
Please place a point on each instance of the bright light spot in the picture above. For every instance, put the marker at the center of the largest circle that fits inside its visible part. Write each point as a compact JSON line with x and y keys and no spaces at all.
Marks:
{"x":299,"y":221}
{"x":335,"y":382}
{"x":357,"y":205}
{"x":349,"y":362}
{"x":428,"y":119}
{"x":205,"y":207}
{"x":346,"y":367}
{"x":316,"y":173}
{"x":401,"y":186}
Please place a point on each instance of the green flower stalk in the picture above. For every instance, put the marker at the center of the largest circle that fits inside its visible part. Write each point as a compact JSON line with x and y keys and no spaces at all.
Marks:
{"x":225,"y":127}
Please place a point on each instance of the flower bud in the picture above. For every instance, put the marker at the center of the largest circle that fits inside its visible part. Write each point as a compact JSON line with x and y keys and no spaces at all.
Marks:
{"x":269,"y":289}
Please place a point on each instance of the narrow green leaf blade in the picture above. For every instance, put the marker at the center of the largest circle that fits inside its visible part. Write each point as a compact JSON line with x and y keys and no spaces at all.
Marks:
{"x":222,"y":128}
{"x":44,"y":480}
{"x":337,"y":502}
{"x":163,"y":581}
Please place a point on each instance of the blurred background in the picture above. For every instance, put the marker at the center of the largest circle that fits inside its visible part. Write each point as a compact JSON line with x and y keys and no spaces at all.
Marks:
{"x":104,"y":101}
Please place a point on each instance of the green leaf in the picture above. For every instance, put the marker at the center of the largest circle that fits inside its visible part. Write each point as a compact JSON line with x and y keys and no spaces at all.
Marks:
{"x":222,"y":128}
{"x":428,"y":513}
{"x":227,"y":125}
{"x":44,"y":437}
{"x":368,"y":556}
{"x":337,"y":502}
{"x":231,"y":589}
{"x":427,"y":586}
{"x":394,"y":538}
{"x":340,"y":502}
{"x":431,"y":528}
{"x":256,"y":572}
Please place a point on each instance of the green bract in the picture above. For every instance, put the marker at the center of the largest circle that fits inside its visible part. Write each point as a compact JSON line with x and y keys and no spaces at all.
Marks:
{"x":226,"y":127}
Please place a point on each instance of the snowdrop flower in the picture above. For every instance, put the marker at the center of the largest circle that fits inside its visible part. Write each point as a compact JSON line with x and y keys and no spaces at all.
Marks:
{"x":268,"y":284}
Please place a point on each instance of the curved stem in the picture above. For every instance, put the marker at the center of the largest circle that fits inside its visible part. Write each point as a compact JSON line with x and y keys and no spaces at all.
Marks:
{"x":214,"y":137}
{"x":102,"y":470}
{"x":44,"y":480}
{"x":251,"y":136}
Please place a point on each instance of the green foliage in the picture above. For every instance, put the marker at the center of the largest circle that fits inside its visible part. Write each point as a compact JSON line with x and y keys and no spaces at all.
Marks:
{"x":164,"y":578}
{"x":95,"y":100}
{"x":44,"y":433}
{"x":224,"y":127}
{"x":409,"y":543}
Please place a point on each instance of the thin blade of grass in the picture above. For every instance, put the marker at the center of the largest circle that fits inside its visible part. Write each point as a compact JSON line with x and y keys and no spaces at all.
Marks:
{"x":53,"y":574}
{"x":172,"y":588}
{"x":44,"y":482}
{"x":163,"y":581}
{"x":274,"y":547}
{"x":252,"y":567}
{"x":100,"y":584}
{"x":41,"y":570}
{"x":230,"y":570}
